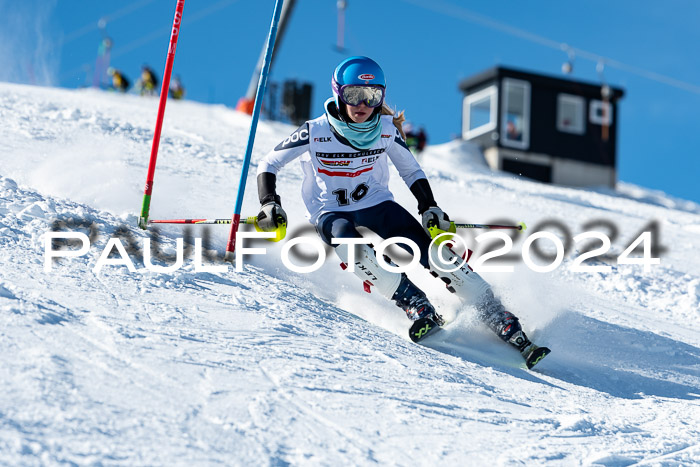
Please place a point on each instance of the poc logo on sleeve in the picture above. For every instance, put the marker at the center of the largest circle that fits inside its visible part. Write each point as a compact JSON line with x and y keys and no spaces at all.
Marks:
{"x":298,"y":138}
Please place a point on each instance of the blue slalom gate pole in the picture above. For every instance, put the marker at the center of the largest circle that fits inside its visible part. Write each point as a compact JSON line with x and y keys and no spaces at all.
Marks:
{"x":262,"y":84}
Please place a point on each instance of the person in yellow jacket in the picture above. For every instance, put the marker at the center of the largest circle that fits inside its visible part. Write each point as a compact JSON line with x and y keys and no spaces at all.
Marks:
{"x":177,"y":90}
{"x":147,"y":83}
{"x":120,"y":82}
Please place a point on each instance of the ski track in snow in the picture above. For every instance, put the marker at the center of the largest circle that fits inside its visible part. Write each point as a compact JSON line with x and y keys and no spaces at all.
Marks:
{"x":268,"y":367}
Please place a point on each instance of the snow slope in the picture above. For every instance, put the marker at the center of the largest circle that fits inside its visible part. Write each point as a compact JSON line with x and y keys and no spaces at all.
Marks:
{"x":270,"y":367}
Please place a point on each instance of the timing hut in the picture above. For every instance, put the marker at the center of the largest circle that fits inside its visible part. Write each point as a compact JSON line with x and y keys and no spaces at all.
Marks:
{"x":548,"y":129}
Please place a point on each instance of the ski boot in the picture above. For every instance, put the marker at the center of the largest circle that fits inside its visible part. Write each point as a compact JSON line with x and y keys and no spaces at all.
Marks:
{"x":507,"y":327}
{"x":394,"y":286}
{"x":418,"y":308}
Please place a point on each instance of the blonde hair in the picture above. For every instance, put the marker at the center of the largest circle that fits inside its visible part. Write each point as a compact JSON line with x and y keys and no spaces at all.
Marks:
{"x":399,"y":118}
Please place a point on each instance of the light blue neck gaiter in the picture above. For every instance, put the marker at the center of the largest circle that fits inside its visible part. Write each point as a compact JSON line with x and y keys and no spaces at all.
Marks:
{"x":360,"y":135}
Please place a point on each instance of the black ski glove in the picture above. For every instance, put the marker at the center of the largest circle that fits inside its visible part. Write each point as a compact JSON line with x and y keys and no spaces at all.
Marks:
{"x":434,"y":217}
{"x":271,"y":215}
{"x":424,"y":195}
{"x":267,"y":182}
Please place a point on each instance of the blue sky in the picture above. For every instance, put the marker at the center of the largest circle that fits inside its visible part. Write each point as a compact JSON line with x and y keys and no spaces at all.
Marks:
{"x":425,"y":47}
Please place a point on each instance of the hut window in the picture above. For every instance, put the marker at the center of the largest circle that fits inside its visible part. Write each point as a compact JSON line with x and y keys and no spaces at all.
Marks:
{"x":515,"y":115}
{"x":601,"y":112}
{"x":570,"y":114}
{"x":480,"y":112}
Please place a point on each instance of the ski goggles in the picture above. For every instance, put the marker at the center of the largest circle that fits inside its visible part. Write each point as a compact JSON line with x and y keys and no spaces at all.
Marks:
{"x":354,"y":95}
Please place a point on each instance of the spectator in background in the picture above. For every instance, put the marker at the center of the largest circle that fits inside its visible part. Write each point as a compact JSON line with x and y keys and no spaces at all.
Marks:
{"x":177,"y":90}
{"x":120,"y":82}
{"x":513,"y":131}
{"x":148,"y":82}
{"x":415,"y":140}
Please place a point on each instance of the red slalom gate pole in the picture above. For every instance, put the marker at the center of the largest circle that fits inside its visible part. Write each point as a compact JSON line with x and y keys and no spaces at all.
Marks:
{"x":145,"y":206}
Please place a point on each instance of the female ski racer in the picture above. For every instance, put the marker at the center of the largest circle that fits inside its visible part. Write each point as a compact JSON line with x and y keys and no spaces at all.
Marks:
{"x":343,"y":155}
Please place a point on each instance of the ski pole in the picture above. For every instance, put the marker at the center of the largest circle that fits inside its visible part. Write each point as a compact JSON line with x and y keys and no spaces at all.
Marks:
{"x":146,"y":205}
{"x":280,"y":231}
{"x":253,"y":219}
{"x":521,"y":226}
{"x":244,"y":220}
{"x":235,"y":220}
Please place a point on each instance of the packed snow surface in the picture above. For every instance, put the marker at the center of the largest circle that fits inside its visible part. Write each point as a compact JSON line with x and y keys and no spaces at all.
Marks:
{"x":270,"y":367}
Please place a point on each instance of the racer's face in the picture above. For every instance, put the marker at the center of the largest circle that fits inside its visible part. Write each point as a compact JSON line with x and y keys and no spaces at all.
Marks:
{"x":359,"y":113}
